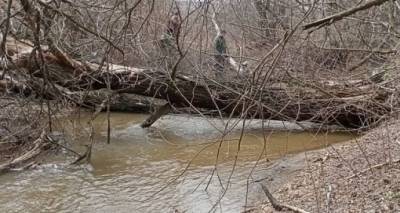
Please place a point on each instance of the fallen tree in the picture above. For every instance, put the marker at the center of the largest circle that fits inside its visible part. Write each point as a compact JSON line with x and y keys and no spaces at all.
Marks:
{"x":355,"y":104}
{"x":49,"y":72}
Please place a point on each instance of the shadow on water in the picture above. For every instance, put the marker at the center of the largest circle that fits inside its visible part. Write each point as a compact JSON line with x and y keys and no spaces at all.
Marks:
{"x":128,"y":174}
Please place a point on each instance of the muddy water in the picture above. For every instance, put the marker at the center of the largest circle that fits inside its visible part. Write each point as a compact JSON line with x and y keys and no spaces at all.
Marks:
{"x":166,"y":168}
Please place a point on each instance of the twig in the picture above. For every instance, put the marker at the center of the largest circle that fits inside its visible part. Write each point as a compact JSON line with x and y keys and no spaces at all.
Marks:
{"x":35,"y":151}
{"x":3,"y":38}
{"x":377,"y":166}
{"x":279,"y":206}
{"x":50,"y":139}
{"x":338,"y":16}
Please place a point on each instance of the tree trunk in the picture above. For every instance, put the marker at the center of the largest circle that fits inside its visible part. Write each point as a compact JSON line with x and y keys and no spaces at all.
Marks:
{"x":347,"y":105}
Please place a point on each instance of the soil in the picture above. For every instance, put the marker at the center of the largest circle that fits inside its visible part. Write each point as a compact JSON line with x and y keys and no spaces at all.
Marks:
{"x":345,"y":177}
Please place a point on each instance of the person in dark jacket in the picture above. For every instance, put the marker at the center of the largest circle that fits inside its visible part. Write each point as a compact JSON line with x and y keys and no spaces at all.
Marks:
{"x":220,"y":52}
{"x":174,"y":25}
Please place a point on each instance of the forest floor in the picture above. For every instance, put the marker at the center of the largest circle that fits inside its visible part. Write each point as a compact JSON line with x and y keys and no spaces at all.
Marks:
{"x":362,"y":175}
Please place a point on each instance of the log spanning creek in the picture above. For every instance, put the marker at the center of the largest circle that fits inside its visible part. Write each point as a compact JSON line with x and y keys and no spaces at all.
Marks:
{"x":166,"y":168}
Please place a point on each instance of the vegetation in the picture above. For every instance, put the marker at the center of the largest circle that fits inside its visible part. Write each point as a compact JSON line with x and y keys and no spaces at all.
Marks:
{"x":333,"y":63}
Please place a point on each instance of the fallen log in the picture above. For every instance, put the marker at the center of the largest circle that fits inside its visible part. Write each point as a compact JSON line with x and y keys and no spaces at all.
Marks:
{"x":122,"y":102}
{"x":291,"y":104}
{"x":348,"y":106}
{"x":125,"y":102}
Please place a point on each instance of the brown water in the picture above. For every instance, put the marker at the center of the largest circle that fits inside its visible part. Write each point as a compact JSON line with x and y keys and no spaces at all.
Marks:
{"x":147,"y":170}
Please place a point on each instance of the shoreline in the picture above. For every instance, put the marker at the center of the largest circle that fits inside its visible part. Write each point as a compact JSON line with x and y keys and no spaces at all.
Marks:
{"x":353,"y":176}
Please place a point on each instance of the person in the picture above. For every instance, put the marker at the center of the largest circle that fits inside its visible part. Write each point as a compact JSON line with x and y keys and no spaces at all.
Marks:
{"x":169,"y":36}
{"x":220,"y":52}
{"x":168,"y":40}
{"x":173,"y":25}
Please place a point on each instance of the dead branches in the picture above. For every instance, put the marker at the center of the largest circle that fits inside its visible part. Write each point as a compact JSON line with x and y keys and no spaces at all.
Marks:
{"x":336,"y":17}
{"x":377,"y":166}
{"x":37,"y":148}
{"x":346,"y":108}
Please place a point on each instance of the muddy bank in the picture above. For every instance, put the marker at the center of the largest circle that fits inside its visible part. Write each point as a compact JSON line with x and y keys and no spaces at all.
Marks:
{"x":356,"y":176}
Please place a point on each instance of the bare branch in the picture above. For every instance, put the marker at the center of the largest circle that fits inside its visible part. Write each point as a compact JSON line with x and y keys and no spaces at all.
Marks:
{"x":336,"y":17}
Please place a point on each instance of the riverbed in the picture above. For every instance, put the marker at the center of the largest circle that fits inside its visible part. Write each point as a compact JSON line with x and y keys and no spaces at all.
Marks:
{"x":172,"y":166}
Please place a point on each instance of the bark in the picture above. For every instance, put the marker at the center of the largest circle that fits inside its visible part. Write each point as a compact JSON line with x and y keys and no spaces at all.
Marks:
{"x":121,"y":102}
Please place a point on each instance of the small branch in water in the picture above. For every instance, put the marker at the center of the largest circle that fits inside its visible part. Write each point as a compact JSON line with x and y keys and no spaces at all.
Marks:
{"x":51,"y":140}
{"x":88,"y":153}
{"x":86,"y":156}
{"x":163,"y":110}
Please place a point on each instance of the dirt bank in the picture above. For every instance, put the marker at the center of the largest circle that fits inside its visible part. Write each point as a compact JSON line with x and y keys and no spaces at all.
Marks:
{"x":362,"y":175}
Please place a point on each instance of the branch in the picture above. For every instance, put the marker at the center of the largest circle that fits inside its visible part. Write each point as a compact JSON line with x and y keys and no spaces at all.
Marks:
{"x":338,"y":16}
{"x":397,"y":5}
{"x":278,"y":206}
{"x":378,"y":166}
{"x":38,"y":145}
{"x":3,"y":40}
{"x":163,"y":110}
{"x":82,"y":27}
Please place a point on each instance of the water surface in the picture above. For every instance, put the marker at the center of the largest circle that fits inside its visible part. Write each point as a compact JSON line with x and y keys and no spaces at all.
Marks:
{"x":170,"y":167}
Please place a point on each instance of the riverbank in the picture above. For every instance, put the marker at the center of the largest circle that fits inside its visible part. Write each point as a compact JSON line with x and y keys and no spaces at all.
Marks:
{"x":361,"y":175}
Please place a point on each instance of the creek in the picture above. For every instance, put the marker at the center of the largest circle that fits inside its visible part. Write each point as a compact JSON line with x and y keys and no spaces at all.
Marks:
{"x":166,"y":168}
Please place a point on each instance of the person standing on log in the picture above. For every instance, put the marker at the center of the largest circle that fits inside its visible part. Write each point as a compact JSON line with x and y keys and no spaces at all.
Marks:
{"x":174,"y":25}
{"x":220,"y":53}
{"x":172,"y":32}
